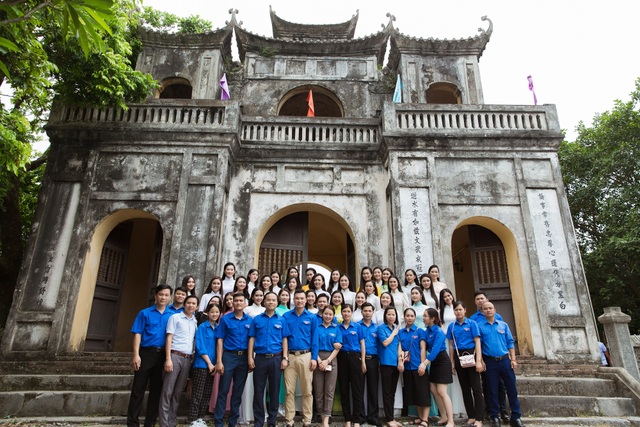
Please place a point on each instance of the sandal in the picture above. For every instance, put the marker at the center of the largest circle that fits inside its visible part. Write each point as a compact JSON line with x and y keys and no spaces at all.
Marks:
{"x":418,"y":421}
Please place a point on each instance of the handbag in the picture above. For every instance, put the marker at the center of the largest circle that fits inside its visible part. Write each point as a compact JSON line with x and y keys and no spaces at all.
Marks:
{"x":466,"y":360}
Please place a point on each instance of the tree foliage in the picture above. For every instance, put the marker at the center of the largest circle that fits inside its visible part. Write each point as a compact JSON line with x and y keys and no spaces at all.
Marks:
{"x":601,"y":172}
{"x":169,"y":23}
{"x":80,"y":51}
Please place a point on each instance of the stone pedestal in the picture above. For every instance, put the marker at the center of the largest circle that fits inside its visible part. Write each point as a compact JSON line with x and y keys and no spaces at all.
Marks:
{"x":616,"y":329}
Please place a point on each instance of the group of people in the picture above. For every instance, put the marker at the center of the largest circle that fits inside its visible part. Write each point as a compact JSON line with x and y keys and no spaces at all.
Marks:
{"x":251,"y":344}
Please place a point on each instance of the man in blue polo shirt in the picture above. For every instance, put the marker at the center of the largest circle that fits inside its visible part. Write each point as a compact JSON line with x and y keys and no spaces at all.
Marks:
{"x":480,"y":298}
{"x":499,"y":355}
{"x":268,"y":338}
{"x":148,"y":357}
{"x":370,"y":332}
{"x":232,"y":363}
{"x":303,"y":353}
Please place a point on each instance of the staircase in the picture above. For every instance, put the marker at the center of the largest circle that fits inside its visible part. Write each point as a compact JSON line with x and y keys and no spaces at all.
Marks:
{"x":554,"y":390}
{"x":81,"y":385}
{"x":98,"y":384}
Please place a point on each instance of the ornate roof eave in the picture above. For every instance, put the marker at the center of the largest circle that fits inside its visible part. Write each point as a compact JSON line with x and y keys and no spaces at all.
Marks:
{"x":401,"y":43}
{"x":217,"y":39}
{"x":374,"y":44}
{"x":291,"y":30}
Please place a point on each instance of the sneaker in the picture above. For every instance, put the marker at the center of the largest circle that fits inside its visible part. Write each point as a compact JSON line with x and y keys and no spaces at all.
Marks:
{"x":198,"y":423}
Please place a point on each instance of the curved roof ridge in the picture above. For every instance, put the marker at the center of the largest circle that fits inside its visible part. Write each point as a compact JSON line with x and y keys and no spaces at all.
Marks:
{"x":482,"y":33}
{"x":316,"y":41}
{"x":218,"y":38}
{"x":470,"y":45}
{"x":283,"y":29}
{"x":374,"y":44}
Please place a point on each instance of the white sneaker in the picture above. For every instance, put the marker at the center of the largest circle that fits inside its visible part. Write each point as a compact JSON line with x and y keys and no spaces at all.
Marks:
{"x":198,"y":423}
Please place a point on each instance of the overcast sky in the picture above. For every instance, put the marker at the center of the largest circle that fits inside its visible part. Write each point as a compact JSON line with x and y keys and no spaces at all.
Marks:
{"x":582,"y":55}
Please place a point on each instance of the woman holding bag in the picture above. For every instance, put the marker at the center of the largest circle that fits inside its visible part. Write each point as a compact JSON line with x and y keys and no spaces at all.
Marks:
{"x":464,"y":340}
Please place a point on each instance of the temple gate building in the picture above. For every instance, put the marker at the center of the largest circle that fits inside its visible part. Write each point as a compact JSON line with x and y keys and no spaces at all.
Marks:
{"x":184,"y":182}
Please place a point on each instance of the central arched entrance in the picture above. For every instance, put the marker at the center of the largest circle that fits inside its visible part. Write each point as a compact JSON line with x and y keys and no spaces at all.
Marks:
{"x":485,"y":258}
{"x":309,"y":235}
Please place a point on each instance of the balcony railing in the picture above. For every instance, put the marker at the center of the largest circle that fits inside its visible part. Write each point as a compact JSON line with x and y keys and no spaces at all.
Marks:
{"x":194,"y":114}
{"x":290,"y":129}
{"x":486,"y":118}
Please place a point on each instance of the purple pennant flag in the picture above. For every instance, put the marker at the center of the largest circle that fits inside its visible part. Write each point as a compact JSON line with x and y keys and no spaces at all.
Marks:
{"x":225,"y":88}
{"x":535,"y":99}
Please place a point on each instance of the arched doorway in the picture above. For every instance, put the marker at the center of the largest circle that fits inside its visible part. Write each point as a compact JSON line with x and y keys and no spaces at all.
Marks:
{"x":175,"y":88}
{"x":307,"y":236}
{"x":326,"y":103}
{"x":485,"y":259}
{"x":443,"y":93}
{"x":120,"y":270}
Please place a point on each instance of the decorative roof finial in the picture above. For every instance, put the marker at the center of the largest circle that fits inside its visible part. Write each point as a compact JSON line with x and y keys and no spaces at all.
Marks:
{"x":488,"y":30}
{"x":390,"y":23}
{"x":233,"y":22}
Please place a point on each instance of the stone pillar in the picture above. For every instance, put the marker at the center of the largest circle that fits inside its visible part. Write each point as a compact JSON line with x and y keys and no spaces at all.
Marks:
{"x":616,"y":329}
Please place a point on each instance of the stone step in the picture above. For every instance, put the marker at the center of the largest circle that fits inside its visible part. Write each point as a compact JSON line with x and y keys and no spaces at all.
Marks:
{"x":20,"y":382}
{"x":70,"y":404}
{"x":576,"y":406}
{"x":63,"y":403}
{"x":566,"y":386}
{"x":98,"y":367}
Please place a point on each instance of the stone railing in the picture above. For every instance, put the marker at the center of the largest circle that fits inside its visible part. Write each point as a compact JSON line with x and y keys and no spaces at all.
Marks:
{"x":315,"y":130}
{"x":483,"y":118}
{"x":194,"y":114}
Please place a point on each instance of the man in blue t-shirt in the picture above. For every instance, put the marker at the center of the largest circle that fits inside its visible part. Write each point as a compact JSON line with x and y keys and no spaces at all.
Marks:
{"x":268,"y":337}
{"x":499,"y":356}
{"x":148,"y":357}
{"x":232,"y":342}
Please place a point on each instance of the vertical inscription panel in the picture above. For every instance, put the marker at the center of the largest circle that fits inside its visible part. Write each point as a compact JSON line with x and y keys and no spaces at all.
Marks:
{"x":54,"y":236}
{"x":415,"y":226}
{"x":557,"y":283}
{"x":194,"y":244}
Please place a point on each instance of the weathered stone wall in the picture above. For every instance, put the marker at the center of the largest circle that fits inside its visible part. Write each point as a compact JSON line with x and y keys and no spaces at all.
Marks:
{"x":353,"y":81}
{"x":420,"y":72}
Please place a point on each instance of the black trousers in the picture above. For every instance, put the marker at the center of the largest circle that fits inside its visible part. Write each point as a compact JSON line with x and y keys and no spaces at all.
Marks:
{"x":371,"y":378}
{"x":351,"y":383}
{"x":471,"y":387}
{"x":150,"y":372}
{"x":267,"y":369}
{"x":502,"y":394}
{"x":389,"y":377}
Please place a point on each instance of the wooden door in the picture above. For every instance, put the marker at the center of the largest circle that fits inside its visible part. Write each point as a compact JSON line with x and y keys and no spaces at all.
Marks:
{"x":490,"y":273}
{"x":106,"y":300}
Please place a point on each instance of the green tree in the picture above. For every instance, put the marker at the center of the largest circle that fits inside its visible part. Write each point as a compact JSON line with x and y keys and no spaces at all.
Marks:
{"x":78,"y":50}
{"x":601,"y":171}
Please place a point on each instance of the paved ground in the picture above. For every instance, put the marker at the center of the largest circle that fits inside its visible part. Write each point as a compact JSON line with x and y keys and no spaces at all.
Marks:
{"x":120,"y":422}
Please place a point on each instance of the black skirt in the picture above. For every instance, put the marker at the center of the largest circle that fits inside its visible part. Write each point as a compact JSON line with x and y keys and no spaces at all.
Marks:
{"x":440,"y":371}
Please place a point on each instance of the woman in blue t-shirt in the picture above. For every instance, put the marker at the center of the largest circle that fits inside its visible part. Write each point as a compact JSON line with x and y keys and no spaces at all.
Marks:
{"x":415,"y":384}
{"x":391,"y":361}
{"x":434,"y":341}
{"x":326,"y":374}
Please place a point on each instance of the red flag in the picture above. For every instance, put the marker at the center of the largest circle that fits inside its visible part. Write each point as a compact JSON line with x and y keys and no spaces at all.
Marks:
{"x":311,"y":112}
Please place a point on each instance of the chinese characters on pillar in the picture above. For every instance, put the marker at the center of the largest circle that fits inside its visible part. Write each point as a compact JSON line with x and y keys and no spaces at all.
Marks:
{"x":552,"y":253}
{"x":416,"y":228}
{"x":555,"y":267}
